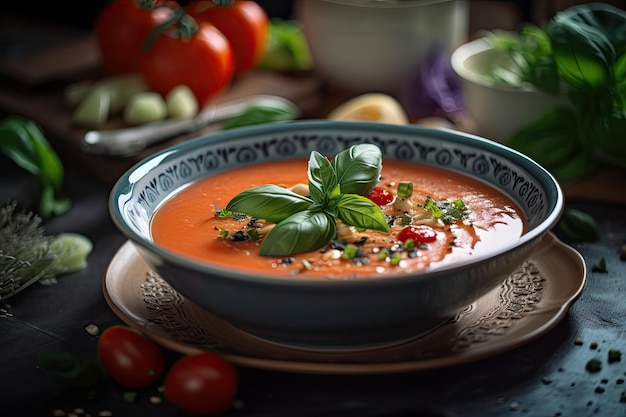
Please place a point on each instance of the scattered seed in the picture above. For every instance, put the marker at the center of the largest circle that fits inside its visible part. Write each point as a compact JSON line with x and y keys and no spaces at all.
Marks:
{"x":546,"y":380}
{"x":622,"y":252}
{"x":105,"y":413}
{"x":79,"y":410}
{"x":514,"y":405}
{"x":593,"y":345}
{"x":155,"y":399}
{"x":58,"y":413}
{"x":622,"y":397}
{"x":599,"y":390}
{"x":578,"y":341}
{"x":92,"y":329}
{"x":620,"y":381}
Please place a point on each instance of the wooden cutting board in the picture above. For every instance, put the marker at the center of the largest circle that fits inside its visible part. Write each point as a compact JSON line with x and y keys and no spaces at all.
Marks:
{"x":33,"y":85}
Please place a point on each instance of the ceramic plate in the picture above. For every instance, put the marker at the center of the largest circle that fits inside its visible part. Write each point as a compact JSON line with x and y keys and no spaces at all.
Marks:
{"x":530,"y":302}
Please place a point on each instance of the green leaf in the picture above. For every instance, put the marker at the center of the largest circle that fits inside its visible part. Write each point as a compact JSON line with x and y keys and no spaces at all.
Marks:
{"x":322,"y":178}
{"x":287,"y":48}
{"x":361,"y":212}
{"x":70,"y":369}
{"x":304,"y":231}
{"x":358,"y":168}
{"x":269,"y":202}
{"x":579,"y":225}
{"x":610,"y":137}
{"x":255,"y":115}
{"x":583,"y":52}
{"x":23,"y":142}
{"x":554,"y":142}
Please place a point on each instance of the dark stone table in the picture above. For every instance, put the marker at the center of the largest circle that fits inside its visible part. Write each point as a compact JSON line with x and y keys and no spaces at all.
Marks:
{"x":544,"y":377}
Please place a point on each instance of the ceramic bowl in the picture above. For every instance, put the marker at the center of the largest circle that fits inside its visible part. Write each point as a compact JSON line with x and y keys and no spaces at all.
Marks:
{"x":364,"y":46}
{"x":325,"y":314}
{"x":498,"y":111}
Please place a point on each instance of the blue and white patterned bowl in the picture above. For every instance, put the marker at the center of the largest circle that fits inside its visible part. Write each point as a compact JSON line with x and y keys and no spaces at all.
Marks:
{"x":334,"y":314}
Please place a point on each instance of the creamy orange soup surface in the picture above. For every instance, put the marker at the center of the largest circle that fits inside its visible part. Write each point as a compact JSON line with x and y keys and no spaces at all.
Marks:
{"x":187,"y":223}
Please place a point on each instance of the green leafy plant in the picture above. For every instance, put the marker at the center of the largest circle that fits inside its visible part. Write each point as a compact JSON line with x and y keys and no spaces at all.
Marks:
{"x":23,"y":142}
{"x":581,"y":54}
{"x":338,"y":191}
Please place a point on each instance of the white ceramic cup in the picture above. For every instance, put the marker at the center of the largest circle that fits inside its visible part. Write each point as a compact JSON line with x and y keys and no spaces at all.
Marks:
{"x":374,"y":45}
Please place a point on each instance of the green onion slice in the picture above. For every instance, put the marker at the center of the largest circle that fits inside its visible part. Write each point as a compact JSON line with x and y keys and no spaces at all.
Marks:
{"x":405,"y":189}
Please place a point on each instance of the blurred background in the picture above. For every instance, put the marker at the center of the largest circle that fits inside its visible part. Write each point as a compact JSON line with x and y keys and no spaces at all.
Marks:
{"x":486,"y":14}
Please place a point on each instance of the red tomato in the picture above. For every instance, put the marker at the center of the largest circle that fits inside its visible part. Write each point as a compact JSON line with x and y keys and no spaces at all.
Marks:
{"x":205,"y":383}
{"x":381,"y":196}
{"x":129,"y":357}
{"x":419,"y":234}
{"x":121,"y":28}
{"x":244,"y":23}
{"x":203,"y":61}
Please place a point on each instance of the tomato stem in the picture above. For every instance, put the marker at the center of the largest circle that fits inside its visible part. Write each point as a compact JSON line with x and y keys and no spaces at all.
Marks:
{"x":186,"y":28}
{"x":223,"y":3}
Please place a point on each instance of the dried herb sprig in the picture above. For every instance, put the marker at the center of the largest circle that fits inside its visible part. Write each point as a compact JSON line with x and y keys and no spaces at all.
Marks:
{"x":28,"y":256}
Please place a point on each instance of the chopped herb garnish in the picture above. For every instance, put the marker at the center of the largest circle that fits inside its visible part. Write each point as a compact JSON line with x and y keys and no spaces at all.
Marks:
{"x":350,"y":251}
{"x":448,"y":212}
{"x":253,"y":234}
{"x":593,"y":365}
{"x":405,"y":189}
{"x":338,"y":191}
{"x":614,"y":355}
{"x":395,"y":258}
{"x":239,"y":236}
{"x":223,"y":234}
{"x":600,"y":266}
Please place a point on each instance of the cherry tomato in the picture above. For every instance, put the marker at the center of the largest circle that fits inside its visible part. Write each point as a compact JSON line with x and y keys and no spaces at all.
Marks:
{"x":419,"y":234}
{"x":244,"y":23}
{"x":129,"y":357}
{"x":198,"y":57}
{"x":381,"y":196}
{"x":205,"y":383}
{"x":121,"y":28}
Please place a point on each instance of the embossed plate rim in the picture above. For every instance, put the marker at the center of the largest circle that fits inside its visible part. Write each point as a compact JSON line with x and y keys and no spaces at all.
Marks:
{"x":561,"y":290}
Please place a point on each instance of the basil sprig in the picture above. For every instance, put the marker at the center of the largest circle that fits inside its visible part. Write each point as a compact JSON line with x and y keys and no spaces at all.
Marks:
{"x":582,"y":52}
{"x":337,"y":192}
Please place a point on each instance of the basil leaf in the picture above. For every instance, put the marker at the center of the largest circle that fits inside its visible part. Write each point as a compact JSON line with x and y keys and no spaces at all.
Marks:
{"x":620,"y":84}
{"x":358,"y":168}
{"x":609,"y":135}
{"x":579,"y":225}
{"x":304,"y":231}
{"x":584,"y":55}
{"x":269,"y":202}
{"x":70,"y":369}
{"x":25,"y":144}
{"x":356,"y":210}
{"x":255,"y":115}
{"x":322,"y":177}
{"x":554,"y":142}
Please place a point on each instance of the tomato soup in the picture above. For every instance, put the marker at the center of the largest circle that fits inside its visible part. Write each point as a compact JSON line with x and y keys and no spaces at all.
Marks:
{"x":187,"y":223}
